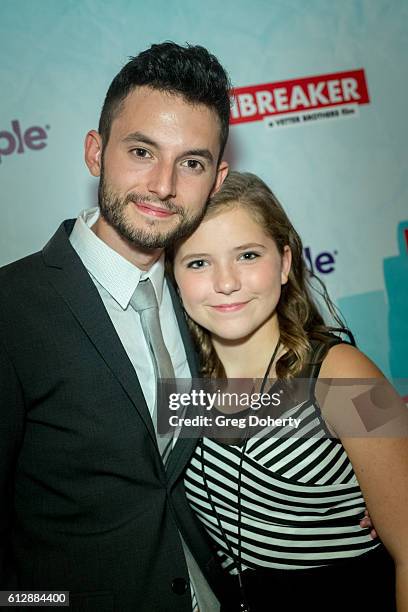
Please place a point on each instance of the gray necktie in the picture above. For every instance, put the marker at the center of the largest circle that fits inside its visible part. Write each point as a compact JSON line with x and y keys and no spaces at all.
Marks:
{"x":144,"y":302}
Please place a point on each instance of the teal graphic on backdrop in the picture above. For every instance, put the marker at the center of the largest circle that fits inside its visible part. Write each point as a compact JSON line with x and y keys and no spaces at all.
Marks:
{"x":367,"y":311}
{"x":396,"y":284}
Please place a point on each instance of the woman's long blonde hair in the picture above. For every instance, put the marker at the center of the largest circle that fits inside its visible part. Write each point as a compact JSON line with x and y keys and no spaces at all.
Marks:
{"x":298,"y":315}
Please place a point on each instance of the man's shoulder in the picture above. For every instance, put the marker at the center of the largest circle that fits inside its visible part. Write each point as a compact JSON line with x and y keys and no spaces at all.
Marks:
{"x":20,"y":268}
{"x":30,"y":267}
{"x":20,"y":283}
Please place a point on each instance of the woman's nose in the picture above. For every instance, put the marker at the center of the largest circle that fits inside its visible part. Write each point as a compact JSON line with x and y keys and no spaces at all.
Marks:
{"x":226,"y":280}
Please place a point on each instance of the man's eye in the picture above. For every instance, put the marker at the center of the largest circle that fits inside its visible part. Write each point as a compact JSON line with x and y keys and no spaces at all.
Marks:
{"x":249,"y":255}
{"x":140,"y":152}
{"x":197,"y":264}
{"x":193,"y":164}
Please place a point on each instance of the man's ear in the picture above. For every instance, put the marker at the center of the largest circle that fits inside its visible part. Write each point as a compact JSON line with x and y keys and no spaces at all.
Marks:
{"x":222,"y":173}
{"x":93,"y":152}
{"x":286,"y":264}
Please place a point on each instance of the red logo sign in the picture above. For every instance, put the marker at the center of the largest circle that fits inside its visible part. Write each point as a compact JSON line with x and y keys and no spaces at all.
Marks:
{"x":255,"y":102}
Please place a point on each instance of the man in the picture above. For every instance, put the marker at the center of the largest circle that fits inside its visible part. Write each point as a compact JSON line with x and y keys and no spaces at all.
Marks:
{"x":90,"y":502}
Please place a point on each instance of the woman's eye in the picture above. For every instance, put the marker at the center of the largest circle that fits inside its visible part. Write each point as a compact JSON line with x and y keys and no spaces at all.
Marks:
{"x":193,"y":164}
{"x":249,"y":255}
{"x":197,"y":264}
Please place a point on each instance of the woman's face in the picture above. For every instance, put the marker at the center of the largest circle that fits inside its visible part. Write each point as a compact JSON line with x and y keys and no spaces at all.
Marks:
{"x":230,"y":274}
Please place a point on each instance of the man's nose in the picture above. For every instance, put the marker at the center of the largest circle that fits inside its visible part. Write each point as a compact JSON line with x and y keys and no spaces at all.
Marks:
{"x":162,"y":181}
{"x":226,"y":279}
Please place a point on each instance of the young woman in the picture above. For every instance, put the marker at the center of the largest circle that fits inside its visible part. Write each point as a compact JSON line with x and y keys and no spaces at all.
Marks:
{"x":283,"y":504}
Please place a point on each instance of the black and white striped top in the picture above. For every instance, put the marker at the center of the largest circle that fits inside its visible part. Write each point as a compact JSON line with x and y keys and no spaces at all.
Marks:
{"x":300,"y":499}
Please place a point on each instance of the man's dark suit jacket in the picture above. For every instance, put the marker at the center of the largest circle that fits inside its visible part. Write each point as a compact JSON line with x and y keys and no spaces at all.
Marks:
{"x":85,"y":503}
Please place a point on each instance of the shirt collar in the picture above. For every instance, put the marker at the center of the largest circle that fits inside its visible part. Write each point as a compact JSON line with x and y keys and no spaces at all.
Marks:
{"x":115,"y":273}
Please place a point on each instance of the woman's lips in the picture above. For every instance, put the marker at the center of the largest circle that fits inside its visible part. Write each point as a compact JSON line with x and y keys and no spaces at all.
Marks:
{"x":154,"y":211}
{"x":229,"y":307}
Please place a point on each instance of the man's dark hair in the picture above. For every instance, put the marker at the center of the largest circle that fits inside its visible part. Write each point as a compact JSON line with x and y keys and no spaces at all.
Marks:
{"x":191,"y":72}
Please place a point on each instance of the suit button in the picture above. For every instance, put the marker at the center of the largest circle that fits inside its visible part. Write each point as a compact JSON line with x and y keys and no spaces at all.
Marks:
{"x":179,"y":586}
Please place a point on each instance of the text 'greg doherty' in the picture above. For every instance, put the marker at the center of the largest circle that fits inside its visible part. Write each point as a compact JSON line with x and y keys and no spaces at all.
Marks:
{"x":208,"y":401}
{"x":223,"y":421}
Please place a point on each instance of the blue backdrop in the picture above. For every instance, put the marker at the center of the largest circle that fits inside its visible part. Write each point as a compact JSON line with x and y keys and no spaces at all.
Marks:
{"x":341,"y":175}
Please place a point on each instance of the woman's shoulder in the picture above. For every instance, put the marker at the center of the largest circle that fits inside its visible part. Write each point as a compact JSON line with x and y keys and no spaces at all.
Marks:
{"x":346,"y":361}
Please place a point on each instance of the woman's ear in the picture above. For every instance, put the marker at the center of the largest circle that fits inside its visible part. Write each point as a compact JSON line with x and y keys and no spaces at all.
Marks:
{"x":286,"y":264}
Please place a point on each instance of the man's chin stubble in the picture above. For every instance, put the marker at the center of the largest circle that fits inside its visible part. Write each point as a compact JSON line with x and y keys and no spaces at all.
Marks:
{"x":148,"y":239}
{"x":113,"y":211}
{"x":143,"y":239}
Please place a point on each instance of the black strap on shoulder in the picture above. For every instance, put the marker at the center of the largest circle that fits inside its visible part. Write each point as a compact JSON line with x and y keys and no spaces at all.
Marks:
{"x":320,"y":348}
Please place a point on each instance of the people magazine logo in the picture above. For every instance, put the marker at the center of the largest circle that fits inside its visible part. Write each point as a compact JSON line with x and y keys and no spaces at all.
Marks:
{"x":18,"y":140}
{"x":301,"y":101}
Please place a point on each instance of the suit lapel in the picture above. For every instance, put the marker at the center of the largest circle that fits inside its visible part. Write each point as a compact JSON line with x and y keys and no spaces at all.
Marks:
{"x":72,"y":282}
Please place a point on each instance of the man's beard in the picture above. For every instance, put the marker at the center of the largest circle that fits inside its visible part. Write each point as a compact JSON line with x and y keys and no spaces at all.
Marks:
{"x":113,"y":208}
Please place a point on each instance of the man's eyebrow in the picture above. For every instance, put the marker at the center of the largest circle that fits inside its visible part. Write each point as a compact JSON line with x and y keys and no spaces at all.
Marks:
{"x":142,"y":138}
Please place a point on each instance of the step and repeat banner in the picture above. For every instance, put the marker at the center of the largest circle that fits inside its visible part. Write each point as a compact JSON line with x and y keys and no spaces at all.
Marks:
{"x":320,"y":114}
